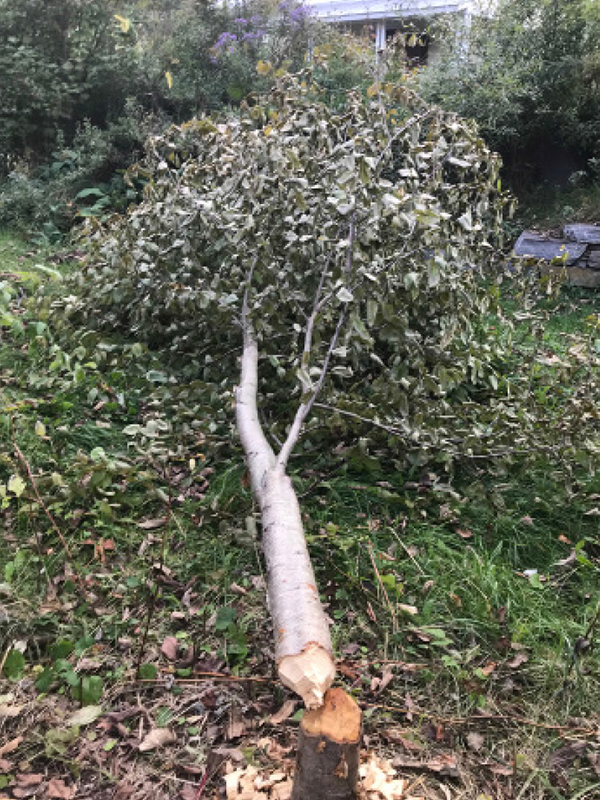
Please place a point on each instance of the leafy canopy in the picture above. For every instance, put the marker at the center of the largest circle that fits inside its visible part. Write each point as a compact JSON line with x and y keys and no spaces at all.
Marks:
{"x":372,"y":217}
{"x":529,"y":76}
{"x":357,"y":233}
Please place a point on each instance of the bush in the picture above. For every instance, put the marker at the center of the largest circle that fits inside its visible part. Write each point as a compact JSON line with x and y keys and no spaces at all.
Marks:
{"x":71,"y":66}
{"x":62,"y":61}
{"x":83,"y":178}
{"x":530,"y":77}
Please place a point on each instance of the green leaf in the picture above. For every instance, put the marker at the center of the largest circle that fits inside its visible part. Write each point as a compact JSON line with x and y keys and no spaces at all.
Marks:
{"x":433,"y":273}
{"x":62,"y":649}
{"x":93,"y":192}
{"x":148,"y":672}
{"x":14,"y":665}
{"x":344,"y":296}
{"x":225,"y":617}
{"x":92,"y":688}
{"x":44,"y":680}
{"x":16,"y":485}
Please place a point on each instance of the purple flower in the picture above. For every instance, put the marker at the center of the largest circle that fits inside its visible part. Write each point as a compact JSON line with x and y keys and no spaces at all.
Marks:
{"x":296,"y":13}
{"x":299,"y":14}
{"x":241,"y":21}
{"x":224,"y":39}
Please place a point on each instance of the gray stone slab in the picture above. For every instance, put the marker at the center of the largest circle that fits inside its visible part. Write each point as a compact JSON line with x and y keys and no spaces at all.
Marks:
{"x":534,"y":245}
{"x":580,"y":232}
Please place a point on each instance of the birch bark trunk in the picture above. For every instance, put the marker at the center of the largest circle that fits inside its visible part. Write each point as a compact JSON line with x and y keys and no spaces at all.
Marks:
{"x":303,"y":650}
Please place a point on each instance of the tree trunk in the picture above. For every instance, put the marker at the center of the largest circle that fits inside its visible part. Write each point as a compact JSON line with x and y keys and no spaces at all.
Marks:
{"x":303,"y":651}
{"x":328,"y":750}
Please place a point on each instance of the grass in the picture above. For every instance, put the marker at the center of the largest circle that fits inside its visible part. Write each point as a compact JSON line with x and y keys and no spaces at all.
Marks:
{"x":458,"y":588}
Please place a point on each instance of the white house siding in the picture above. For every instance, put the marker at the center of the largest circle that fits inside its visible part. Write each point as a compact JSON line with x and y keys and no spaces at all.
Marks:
{"x":365,"y":10}
{"x":384,"y":13}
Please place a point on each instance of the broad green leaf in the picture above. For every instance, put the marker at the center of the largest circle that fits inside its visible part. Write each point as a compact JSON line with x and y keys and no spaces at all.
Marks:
{"x":16,"y":485}
{"x":344,"y":296}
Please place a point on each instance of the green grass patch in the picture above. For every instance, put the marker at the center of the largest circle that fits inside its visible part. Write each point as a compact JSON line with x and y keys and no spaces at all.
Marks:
{"x":128,"y":520}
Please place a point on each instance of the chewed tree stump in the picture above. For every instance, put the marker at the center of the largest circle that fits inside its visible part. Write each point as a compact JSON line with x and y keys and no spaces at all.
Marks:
{"x":328,"y":750}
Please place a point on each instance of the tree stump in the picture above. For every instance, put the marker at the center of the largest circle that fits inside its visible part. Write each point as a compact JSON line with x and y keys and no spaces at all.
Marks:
{"x":328,"y":750}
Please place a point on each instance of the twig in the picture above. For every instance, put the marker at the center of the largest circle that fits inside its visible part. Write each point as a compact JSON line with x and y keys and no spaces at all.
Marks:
{"x":202,"y":677}
{"x":156,"y":591}
{"x":412,"y":121}
{"x":25,"y":463}
{"x":478,"y":719}
{"x":4,"y":657}
{"x":352,"y":415}
{"x":202,"y":785}
{"x":304,"y":408}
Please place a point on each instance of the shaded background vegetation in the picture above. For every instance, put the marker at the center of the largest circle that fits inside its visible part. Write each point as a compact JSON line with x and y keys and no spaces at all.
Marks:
{"x":87,"y":81}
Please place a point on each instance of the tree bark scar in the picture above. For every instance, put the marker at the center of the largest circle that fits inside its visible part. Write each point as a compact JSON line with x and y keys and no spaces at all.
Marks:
{"x":341,"y":771}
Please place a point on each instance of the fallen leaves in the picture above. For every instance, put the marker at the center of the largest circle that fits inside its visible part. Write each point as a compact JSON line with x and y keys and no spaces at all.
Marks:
{"x":464,"y":533}
{"x":475,"y":741}
{"x":27,"y":784}
{"x":158,"y":737}
{"x":520,"y":658}
{"x":378,"y":780}
{"x":286,"y":711}
{"x":249,"y":784}
{"x":10,"y":746}
{"x":58,"y":789}
{"x":8,"y":711}
{"x":236,"y":726}
{"x":169,"y":648}
{"x":379,"y":684}
{"x":441,"y":764}
{"x":84,"y":716}
{"x":152,"y":524}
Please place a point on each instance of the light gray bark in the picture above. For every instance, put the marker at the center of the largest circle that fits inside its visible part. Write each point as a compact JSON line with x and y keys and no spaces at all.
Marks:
{"x":303,"y":649}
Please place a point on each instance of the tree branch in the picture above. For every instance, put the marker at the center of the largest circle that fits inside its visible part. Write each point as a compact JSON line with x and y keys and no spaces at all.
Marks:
{"x":258,"y":451}
{"x":304,"y":408}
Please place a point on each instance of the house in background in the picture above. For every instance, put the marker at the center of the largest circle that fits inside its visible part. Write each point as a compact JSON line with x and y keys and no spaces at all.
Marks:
{"x":387,"y":16}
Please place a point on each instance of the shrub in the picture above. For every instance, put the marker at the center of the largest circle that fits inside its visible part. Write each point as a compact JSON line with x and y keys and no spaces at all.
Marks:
{"x":86,"y":174}
{"x":529,"y":76}
{"x":62,"y":61}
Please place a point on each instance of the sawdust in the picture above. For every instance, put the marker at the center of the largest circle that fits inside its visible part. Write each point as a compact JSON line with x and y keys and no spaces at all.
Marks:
{"x":378,"y":781}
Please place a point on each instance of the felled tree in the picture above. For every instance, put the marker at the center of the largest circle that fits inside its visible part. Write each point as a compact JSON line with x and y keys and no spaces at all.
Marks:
{"x":336,"y":252}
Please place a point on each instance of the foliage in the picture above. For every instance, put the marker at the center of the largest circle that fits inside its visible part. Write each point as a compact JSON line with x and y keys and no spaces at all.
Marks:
{"x":62,"y":62}
{"x":528,"y":74}
{"x":431,"y":581}
{"x":75,"y":127}
{"x":83,"y":178}
{"x":386,"y":205}
{"x":385,"y":219}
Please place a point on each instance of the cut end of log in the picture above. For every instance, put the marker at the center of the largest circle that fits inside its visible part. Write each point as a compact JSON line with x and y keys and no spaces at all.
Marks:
{"x":338,"y":719}
{"x":309,"y":674}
